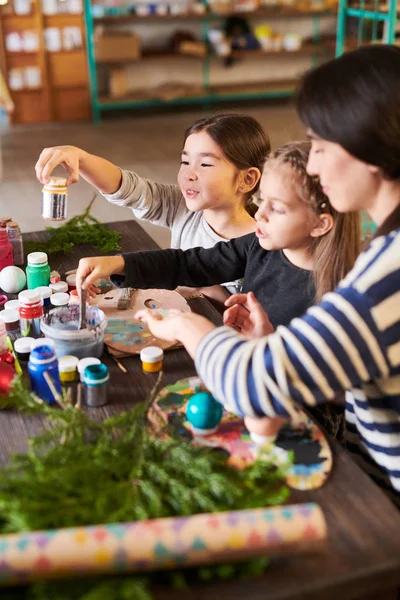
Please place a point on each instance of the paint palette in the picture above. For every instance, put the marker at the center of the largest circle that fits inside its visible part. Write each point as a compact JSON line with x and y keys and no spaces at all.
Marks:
{"x":125,"y":335}
{"x":312,"y":462}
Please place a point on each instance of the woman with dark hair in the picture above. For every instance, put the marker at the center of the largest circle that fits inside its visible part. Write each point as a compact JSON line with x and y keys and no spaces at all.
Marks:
{"x":351,"y":340}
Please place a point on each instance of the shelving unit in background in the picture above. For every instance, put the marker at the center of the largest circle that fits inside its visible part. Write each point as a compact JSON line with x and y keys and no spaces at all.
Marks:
{"x":208,"y":90}
{"x":63,"y":93}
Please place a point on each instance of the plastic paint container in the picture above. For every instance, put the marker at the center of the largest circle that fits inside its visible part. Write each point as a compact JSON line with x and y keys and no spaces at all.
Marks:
{"x":85,"y":362}
{"x":71,"y":281}
{"x":67,"y":366}
{"x":11,"y":319}
{"x":60,"y":286}
{"x":43,"y":360}
{"x":152,"y":359}
{"x":22,"y":348}
{"x":62,"y":326}
{"x":45,"y":292}
{"x":59,"y":299}
{"x":38,"y":270}
{"x":30,"y":313}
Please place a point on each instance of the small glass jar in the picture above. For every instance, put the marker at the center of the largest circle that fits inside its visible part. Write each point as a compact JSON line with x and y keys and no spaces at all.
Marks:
{"x":55,"y":199}
{"x":152,"y":359}
{"x":67,"y":366}
{"x":59,"y":299}
{"x":38,"y":270}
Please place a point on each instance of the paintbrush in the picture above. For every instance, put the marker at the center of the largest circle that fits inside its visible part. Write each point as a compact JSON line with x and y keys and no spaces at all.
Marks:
{"x":82,"y":310}
{"x":115,"y":359}
{"x":124,"y":301}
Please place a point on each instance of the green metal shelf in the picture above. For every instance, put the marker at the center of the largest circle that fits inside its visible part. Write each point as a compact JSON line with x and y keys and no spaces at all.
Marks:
{"x":211,"y":93}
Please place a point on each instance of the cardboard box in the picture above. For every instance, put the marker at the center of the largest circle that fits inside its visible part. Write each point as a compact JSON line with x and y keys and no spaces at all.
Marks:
{"x":114,"y":48}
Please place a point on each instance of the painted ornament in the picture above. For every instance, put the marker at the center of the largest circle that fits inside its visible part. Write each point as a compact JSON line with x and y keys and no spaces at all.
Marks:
{"x":203,"y":413}
{"x":12,"y":280}
{"x":7,"y":375}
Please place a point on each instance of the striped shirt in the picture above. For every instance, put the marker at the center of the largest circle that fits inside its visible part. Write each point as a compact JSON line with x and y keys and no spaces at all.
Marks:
{"x":350,"y":341}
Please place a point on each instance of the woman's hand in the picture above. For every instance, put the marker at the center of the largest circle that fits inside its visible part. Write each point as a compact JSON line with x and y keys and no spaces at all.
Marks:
{"x":247,"y":315}
{"x":94,"y":268}
{"x":66,"y":156}
{"x":186,"y":328}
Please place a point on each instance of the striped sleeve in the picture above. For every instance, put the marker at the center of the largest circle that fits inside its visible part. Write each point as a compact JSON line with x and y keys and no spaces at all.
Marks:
{"x":335,"y":346}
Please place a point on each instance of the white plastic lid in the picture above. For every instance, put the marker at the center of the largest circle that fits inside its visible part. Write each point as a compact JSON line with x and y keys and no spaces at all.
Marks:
{"x":67,"y":363}
{"x":37,"y":258}
{"x":29,"y":296}
{"x":9,"y":315}
{"x":151,"y":354}
{"x":2,"y":325}
{"x":85,"y":362}
{"x":59,"y":299}
{"x":43,"y":342}
{"x":11,"y":305}
{"x":71,"y":279}
{"x":45,"y":291}
{"x":60,"y":286}
{"x":23,"y":345}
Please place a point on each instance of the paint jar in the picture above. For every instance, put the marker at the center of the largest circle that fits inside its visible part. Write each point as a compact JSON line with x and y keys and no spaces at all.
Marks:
{"x":15,"y":239}
{"x":85,"y":362}
{"x":152,"y":359}
{"x":11,"y":319}
{"x":6,"y":250}
{"x":59,"y":299}
{"x":38,"y":270}
{"x":45,"y":293}
{"x":95,"y":380}
{"x":71,"y":282}
{"x":67,"y":366}
{"x":22,"y":348}
{"x":55,"y":199}
{"x":42,"y":368}
{"x":59,"y":287}
{"x":30,"y":313}
{"x":12,"y":305}
{"x":62,"y":325}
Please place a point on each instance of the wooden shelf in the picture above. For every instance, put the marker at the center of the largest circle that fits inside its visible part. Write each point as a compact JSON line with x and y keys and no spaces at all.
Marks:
{"x":305,"y":50}
{"x":26,"y":90}
{"x":277,"y":12}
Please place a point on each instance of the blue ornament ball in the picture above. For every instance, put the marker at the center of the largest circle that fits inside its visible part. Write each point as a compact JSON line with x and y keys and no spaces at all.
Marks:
{"x":203,"y":412}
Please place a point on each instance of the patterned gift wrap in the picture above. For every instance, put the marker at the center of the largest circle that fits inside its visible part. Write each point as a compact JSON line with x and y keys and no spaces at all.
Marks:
{"x":160,"y":543}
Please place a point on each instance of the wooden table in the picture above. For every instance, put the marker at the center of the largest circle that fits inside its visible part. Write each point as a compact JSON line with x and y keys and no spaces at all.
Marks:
{"x":361,"y":558}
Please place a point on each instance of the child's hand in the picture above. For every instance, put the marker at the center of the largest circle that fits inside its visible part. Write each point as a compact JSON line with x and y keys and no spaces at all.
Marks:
{"x":161,"y":326}
{"x":97,"y":267}
{"x":50,"y":158}
{"x":246,"y":314}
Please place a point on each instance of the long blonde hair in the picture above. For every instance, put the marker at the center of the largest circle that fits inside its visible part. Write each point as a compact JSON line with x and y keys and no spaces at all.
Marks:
{"x":335,"y":252}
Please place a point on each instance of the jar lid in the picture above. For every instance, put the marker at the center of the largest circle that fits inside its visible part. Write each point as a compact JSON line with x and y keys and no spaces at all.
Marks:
{"x":23,"y":345}
{"x":57,"y":182}
{"x":9,"y":315}
{"x":28,"y":297}
{"x":60,"y":286}
{"x":85,"y":362}
{"x":67,"y":363}
{"x":44,"y":290}
{"x":95,"y":374}
{"x":11,"y":305}
{"x":71,"y":279}
{"x":151,"y":354}
{"x":59,"y":299}
{"x":37,"y":258}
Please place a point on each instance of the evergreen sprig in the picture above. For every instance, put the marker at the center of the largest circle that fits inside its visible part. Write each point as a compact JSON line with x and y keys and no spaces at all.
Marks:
{"x":83,"y":472}
{"x":81,"y":229}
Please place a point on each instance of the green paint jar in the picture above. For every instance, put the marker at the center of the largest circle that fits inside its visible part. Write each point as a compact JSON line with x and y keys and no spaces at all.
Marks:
{"x":38,"y":270}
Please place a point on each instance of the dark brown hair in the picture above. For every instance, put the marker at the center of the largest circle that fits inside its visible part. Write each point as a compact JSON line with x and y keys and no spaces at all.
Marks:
{"x":354,"y":101}
{"x":335,"y":252}
{"x":241,"y":138}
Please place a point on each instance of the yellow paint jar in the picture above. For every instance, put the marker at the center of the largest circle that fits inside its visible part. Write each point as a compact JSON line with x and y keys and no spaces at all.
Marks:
{"x":67,"y":366}
{"x":152,"y":359}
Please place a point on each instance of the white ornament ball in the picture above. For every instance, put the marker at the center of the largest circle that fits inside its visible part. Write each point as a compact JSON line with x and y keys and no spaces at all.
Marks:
{"x":12,"y":280}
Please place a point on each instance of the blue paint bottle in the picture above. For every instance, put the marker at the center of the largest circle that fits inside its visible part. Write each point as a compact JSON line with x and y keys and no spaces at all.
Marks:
{"x":43,"y":360}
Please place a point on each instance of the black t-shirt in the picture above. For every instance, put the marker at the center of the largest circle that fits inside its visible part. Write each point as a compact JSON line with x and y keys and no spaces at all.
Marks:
{"x":284,"y":290}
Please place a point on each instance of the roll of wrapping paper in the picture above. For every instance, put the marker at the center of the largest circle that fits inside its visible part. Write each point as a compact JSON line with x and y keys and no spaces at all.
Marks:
{"x":160,"y":543}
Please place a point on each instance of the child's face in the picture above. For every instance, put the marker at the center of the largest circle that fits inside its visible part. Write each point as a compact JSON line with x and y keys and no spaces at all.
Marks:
{"x":206,"y":178}
{"x":284,"y":221}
